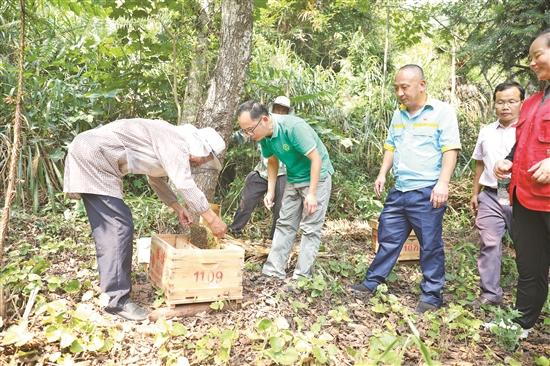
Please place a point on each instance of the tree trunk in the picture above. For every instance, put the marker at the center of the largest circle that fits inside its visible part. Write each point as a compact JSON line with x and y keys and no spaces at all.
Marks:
{"x":453,"y":72}
{"x":386,"y":51}
{"x":14,"y":156}
{"x":197,"y":74}
{"x":227,"y":82}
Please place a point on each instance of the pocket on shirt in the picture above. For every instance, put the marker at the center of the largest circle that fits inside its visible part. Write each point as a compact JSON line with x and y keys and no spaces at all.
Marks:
{"x":544,"y":135}
{"x":423,"y":135}
{"x":423,"y":131}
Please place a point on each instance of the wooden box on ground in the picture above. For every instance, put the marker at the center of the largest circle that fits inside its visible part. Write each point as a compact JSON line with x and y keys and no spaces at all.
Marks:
{"x":188,"y":274}
{"x":411,"y":248}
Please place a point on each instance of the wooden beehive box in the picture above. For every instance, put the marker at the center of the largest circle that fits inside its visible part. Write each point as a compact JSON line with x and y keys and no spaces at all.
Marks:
{"x":411,"y":248}
{"x":188,"y":274}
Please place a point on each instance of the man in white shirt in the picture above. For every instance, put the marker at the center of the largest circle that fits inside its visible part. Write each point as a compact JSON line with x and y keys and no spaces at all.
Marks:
{"x":96,"y":162}
{"x":493,"y":218}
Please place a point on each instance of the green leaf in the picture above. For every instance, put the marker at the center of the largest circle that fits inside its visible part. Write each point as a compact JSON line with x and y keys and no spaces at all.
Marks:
{"x":319,"y":354}
{"x":56,"y":155}
{"x":72,"y":286}
{"x":179,"y":329}
{"x":282,"y":323}
{"x":227,"y":337}
{"x":380,"y":308}
{"x":107,"y":346}
{"x":288,"y":357}
{"x":512,"y":361}
{"x":54,"y":283}
{"x":264,"y":325}
{"x":217,"y":305}
{"x":17,"y":335}
{"x":96,"y":343}
{"x":76,"y":347}
{"x":67,"y":338}
{"x":53,"y":333}
{"x":33,"y":277}
{"x":276,"y":343}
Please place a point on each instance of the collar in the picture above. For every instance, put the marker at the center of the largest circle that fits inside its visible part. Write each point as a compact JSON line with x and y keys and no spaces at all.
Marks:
{"x":499,"y":125}
{"x":275,"y":124}
{"x":429,"y":104}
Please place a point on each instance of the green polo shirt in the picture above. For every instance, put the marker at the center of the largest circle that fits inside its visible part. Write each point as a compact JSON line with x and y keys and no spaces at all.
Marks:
{"x":292,"y":140}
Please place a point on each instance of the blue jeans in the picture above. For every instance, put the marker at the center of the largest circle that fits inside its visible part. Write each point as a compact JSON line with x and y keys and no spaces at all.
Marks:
{"x":403,"y":212}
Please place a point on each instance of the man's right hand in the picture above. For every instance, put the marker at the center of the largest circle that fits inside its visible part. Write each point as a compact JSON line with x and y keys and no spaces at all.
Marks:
{"x":269,"y":200}
{"x":379,"y":185}
{"x":502,"y":168}
{"x":218,"y":227}
{"x":474,"y":203}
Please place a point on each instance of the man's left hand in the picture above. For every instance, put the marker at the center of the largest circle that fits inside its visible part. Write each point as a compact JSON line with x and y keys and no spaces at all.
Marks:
{"x":541,"y":171}
{"x":310,"y":204}
{"x":440,"y":193}
{"x":183,"y":216}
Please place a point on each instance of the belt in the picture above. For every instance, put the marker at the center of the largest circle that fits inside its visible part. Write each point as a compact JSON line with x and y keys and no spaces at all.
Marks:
{"x":490,"y":189}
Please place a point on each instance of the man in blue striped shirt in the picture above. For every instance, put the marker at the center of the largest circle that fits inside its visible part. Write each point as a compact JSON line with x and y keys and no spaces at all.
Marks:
{"x":422,"y":147}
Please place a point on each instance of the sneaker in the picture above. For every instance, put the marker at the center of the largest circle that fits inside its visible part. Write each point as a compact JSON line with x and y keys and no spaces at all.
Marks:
{"x":129,"y":311}
{"x":361,"y":291}
{"x":483,"y":301}
{"x":525,"y":333}
{"x":513,"y":326}
{"x":423,"y":306}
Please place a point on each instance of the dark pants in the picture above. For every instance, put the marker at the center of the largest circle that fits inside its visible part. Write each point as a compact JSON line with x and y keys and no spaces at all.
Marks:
{"x":255,"y":188}
{"x":403,"y":212}
{"x":531,"y":235}
{"x":113,"y":232}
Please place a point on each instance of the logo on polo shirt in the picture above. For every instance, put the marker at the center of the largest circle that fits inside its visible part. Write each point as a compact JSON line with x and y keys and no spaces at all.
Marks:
{"x":286,"y":147}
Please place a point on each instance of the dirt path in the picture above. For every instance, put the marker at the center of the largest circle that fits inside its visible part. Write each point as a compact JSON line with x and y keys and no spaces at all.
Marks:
{"x":318,"y":323}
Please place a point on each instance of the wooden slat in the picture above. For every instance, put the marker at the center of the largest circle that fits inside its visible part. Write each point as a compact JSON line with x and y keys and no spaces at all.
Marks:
{"x":191,"y":275}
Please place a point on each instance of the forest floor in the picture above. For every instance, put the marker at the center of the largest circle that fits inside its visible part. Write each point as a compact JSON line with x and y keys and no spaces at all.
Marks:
{"x":318,"y":323}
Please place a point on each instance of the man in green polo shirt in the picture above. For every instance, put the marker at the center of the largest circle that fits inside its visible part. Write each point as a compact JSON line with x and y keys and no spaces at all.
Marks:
{"x":291,"y":140}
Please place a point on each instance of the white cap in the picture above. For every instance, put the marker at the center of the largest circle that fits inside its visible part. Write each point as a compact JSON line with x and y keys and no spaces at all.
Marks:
{"x":203,"y":141}
{"x":283,"y":101}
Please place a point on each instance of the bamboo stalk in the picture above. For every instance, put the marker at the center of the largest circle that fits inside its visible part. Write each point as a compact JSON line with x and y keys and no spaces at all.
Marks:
{"x":14,"y":156}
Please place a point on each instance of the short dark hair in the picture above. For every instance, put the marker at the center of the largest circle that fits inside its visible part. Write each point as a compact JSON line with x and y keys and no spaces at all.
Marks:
{"x":256,"y":109}
{"x":508,"y":85}
{"x":415,"y":68}
{"x":546,"y":34}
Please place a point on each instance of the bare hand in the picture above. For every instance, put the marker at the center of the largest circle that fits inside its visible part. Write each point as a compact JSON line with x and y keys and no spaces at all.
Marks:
{"x":502,"y":168}
{"x":379,"y":185}
{"x":440,"y":193}
{"x":269,"y":200}
{"x":183,"y":215}
{"x":310,"y":204}
{"x":541,"y":171}
{"x":218,"y":227}
{"x":474,"y":203}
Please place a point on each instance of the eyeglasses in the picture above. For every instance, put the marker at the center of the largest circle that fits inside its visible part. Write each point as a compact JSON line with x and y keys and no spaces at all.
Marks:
{"x":502,"y":103}
{"x":250,"y":131}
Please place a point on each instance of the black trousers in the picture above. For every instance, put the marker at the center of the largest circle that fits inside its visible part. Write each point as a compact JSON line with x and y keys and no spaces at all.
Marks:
{"x":113,"y":232}
{"x":531,"y":236}
{"x":255,"y":188}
